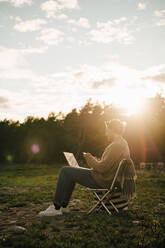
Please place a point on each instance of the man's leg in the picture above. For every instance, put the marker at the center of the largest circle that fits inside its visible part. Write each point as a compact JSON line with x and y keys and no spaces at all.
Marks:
{"x":68,"y":177}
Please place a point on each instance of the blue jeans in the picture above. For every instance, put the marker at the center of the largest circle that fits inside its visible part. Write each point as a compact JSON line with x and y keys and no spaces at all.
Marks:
{"x":67,"y":179}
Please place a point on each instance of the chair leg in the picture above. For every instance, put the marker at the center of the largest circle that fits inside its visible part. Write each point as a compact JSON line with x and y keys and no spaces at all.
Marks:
{"x":90,"y":211}
{"x":114,"y":206}
{"x":100,"y":201}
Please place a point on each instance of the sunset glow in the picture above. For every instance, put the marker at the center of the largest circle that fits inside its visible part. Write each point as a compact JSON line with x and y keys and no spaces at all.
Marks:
{"x":131,"y":105}
{"x":132,"y":102}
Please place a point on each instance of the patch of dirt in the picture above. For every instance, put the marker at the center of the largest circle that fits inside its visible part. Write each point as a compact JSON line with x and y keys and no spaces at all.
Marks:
{"x":27,"y":215}
{"x":13,"y":190}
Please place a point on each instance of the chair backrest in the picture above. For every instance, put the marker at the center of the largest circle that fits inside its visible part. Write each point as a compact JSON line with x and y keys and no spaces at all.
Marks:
{"x":117,"y":172}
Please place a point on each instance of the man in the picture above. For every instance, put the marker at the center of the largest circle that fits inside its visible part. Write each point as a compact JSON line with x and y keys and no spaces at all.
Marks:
{"x":100,"y":172}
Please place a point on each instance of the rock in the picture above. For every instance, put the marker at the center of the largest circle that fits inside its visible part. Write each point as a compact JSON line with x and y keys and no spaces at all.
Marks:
{"x":11,"y":222}
{"x":75,"y":201}
{"x":134,"y":207}
{"x":136,"y":222}
{"x":18,"y":229}
{"x":162,"y":205}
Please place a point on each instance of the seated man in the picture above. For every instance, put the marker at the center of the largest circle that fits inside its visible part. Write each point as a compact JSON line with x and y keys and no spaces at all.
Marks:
{"x":100,"y":173}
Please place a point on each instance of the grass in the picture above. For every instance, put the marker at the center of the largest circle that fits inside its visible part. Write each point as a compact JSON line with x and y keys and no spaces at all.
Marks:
{"x":27,"y":189}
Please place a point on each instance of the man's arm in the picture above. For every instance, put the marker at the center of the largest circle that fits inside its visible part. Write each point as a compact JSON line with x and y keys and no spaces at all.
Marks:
{"x":111,"y":155}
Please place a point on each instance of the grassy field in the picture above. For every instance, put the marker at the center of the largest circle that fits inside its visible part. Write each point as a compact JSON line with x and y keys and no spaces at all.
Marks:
{"x":25,"y":190}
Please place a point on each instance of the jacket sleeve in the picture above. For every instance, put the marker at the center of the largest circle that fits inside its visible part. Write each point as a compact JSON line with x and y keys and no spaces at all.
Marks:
{"x":111,"y":155}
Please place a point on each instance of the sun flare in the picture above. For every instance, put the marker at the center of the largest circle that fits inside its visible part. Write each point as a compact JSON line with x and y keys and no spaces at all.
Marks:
{"x":132,"y":102}
{"x":131,"y":106}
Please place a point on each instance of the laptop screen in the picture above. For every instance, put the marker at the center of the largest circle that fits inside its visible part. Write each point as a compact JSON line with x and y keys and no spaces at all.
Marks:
{"x":71,"y":159}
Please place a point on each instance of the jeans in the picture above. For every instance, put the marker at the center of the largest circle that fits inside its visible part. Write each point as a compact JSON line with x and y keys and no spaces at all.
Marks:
{"x":67,"y":179}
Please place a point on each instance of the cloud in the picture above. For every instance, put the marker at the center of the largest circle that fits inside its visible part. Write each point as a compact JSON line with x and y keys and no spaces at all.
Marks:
{"x":78,"y":74}
{"x":18,"y":19}
{"x":14,"y":99}
{"x":89,"y":79}
{"x":18,"y":3}
{"x":93,"y":78}
{"x":110,"y":31}
{"x":52,"y":7}
{"x":4,"y":102}
{"x":30,"y":25}
{"x":120,"y":20}
{"x":84,"y":42}
{"x":32,"y":50}
{"x":82,"y":22}
{"x":110,"y":82}
{"x":154,"y":77}
{"x":13,"y":64}
{"x":69,"y":4}
{"x":141,"y":6}
{"x":10,"y":57}
{"x":161,"y":22}
{"x":159,"y":13}
{"x":62,"y":17}
{"x":17,"y":74}
{"x":16,"y":105}
{"x":160,"y":78}
{"x":51,"y":36}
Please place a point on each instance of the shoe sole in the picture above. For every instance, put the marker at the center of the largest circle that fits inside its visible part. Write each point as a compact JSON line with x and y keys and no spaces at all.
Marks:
{"x":49,"y":215}
{"x":40,"y":214}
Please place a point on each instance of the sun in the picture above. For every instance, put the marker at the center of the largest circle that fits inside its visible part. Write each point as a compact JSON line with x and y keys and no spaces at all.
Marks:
{"x":131,"y":106}
{"x":131,"y":102}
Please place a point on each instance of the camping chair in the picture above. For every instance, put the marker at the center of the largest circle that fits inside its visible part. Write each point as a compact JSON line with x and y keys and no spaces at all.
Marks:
{"x":110,"y":198}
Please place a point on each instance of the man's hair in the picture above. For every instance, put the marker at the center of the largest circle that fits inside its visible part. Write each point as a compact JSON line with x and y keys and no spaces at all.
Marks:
{"x":116,"y":125}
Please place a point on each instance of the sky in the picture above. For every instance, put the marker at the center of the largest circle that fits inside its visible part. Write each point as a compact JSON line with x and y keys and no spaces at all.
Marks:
{"x":57,"y":54}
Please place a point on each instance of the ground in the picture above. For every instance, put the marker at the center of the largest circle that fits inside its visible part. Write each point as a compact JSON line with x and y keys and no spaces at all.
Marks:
{"x":27,"y":189}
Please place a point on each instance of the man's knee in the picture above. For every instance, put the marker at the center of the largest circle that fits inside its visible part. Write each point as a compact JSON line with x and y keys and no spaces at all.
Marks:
{"x":64,"y":169}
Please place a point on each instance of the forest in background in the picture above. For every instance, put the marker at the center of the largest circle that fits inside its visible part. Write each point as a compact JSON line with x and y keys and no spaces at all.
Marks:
{"x":40,"y":140}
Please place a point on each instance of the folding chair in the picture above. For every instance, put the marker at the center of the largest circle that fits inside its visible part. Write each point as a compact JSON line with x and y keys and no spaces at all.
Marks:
{"x":112,"y":195}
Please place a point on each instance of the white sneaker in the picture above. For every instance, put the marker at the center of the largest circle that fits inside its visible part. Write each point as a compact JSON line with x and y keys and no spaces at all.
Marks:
{"x":65,"y":210}
{"x":51,"y":211}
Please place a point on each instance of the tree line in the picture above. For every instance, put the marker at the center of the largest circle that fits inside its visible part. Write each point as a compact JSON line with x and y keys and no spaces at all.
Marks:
{"x":39,"y":140}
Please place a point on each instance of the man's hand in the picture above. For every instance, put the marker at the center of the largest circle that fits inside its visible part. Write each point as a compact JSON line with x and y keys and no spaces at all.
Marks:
{"x":87,"y":155}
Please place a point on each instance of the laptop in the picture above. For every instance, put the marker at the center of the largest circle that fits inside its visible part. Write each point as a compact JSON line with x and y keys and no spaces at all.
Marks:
{"x":71,"y":159}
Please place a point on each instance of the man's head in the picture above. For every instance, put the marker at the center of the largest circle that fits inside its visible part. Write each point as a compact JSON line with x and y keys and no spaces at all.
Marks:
{"x":114,"y":129}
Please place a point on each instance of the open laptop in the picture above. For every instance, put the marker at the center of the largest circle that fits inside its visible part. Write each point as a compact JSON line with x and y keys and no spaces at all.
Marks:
{"x":71,"y":159}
